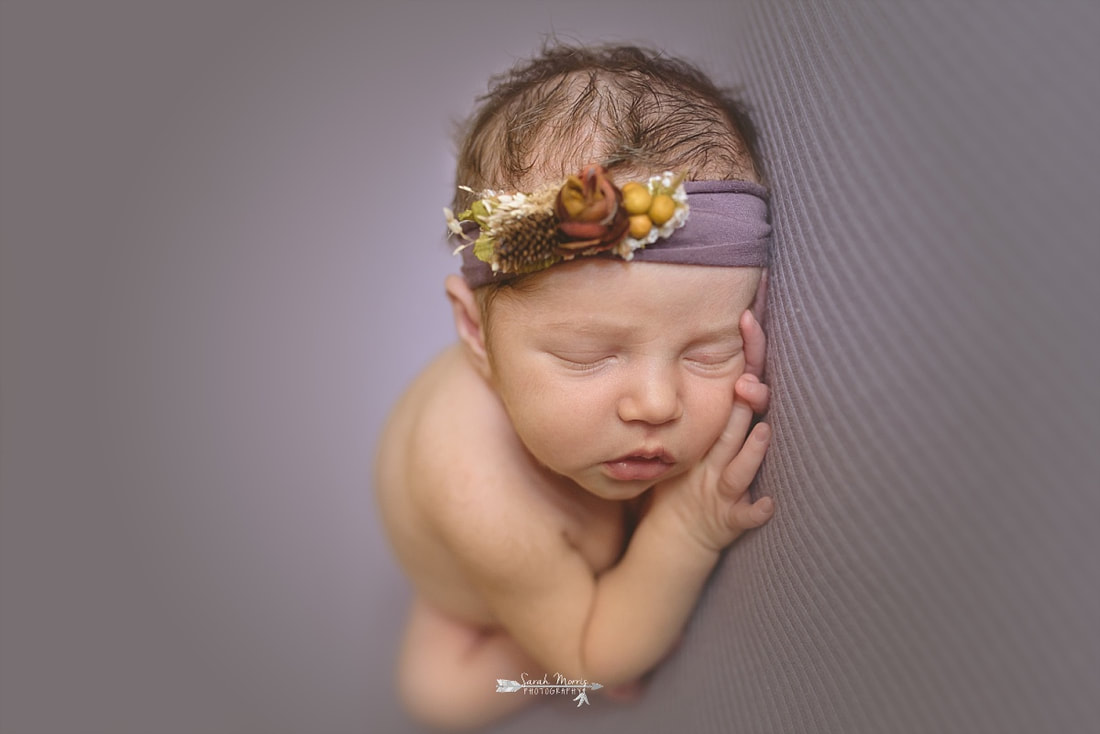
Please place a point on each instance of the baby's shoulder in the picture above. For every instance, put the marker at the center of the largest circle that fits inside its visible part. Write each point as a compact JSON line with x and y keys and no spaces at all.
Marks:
{"x":456,"y":478}
{"x":449,"y":438}
{"x":464,"y":459}
{"x":454,"y":412}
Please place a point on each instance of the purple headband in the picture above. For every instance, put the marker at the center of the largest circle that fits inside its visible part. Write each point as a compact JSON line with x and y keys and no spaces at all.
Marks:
{"x":727,"y":226}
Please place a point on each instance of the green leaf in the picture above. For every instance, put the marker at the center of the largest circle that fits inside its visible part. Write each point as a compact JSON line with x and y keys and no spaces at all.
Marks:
{"x":480,"y":212}
{"x":484,"y":247}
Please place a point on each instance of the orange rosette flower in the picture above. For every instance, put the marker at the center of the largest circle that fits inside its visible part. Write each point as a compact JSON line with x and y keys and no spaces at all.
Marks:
{"x":590,"y":213}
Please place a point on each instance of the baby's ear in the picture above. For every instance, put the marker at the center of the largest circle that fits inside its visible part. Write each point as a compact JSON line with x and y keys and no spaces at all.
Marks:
{"x":468,"y":321}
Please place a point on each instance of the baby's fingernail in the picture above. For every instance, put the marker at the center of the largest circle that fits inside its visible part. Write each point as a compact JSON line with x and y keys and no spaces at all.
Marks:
{"x":750,"y":378}
{"x":762,"y":432}
{"x":765,"y":507}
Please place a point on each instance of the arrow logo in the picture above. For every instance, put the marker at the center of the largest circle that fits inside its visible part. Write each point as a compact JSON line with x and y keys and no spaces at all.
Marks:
{"x":511,"y":686}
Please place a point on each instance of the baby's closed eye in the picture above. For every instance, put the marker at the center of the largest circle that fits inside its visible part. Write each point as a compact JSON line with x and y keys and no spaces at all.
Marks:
{"x":716,"y":358}
{"x":583,"y":361}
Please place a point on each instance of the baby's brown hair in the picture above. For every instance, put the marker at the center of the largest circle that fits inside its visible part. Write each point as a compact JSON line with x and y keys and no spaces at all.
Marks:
{"x":634,"y":110}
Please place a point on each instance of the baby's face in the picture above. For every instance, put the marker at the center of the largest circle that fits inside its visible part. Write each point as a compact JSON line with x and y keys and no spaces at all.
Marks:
{"x":619,"y":375}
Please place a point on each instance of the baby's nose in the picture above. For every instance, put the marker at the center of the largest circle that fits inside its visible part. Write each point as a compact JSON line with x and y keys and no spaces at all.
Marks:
{"x":652,"y":395}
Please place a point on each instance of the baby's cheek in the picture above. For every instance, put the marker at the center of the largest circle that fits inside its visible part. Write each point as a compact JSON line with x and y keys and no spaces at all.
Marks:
{"x":554,"y":432}
{"x":714,"y":409}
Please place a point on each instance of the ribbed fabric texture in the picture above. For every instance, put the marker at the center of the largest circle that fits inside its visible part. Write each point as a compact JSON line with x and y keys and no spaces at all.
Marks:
{"x":933,"y":355}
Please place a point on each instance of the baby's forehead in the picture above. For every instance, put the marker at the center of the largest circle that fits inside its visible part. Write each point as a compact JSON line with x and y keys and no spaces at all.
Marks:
{"x":595,"y":291}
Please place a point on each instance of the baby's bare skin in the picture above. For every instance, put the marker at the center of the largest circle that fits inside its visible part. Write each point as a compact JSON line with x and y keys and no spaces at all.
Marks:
{"x":533,"y":565}
{"x":428,"y":475}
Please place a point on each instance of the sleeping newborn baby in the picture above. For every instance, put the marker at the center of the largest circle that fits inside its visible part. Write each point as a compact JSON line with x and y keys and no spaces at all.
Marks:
{"x":559,"y":484}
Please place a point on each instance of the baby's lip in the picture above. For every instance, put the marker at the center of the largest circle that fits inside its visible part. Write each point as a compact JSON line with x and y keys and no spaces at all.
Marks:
{"x":647,"y":455}
{"x":646,"y":465}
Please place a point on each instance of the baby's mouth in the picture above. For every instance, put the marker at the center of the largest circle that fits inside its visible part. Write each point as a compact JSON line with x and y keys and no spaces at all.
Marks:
{"x":637,"y":467}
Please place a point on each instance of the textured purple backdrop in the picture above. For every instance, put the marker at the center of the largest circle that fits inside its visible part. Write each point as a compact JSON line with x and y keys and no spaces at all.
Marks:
{"x":221,"y":261}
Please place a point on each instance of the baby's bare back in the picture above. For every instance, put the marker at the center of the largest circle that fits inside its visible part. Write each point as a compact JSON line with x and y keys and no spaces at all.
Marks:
{"x":448,"y":454}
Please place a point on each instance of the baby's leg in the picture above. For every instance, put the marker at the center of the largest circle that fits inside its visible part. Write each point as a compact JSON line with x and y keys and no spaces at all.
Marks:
{"x":448,"y":671}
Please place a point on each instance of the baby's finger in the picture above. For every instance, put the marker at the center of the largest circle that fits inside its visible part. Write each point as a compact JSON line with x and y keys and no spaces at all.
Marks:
{"x":738,"y":475}
{"x":747,"y":515}
{"x":756,"y":344}
{"x":733,"y":436}
{"x":754,"y":392}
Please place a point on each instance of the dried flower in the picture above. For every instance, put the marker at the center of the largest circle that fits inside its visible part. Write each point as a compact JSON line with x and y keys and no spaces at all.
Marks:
{"x":589,"y":208}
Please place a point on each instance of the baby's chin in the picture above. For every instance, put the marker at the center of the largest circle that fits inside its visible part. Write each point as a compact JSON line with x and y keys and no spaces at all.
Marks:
{"x":624,"y":491}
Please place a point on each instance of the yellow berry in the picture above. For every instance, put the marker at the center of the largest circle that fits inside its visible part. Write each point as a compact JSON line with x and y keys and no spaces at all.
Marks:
{"x":636,"y":198}
{"x":640,"y":224}
{"x":662,"y":209}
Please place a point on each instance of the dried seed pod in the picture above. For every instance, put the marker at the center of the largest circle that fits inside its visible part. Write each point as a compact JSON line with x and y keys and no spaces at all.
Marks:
{"x":529,"y":243}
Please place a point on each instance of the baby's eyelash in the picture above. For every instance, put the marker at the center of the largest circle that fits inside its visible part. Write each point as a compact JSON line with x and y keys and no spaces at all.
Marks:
{"x":712,"y":361}
{"x":582,"y":366}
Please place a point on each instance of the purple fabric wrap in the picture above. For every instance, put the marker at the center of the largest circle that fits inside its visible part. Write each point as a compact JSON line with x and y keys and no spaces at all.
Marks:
{"x":727,"y":226}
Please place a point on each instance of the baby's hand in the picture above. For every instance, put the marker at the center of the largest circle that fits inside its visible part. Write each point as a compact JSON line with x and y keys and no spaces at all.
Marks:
{"x":711,"y":502}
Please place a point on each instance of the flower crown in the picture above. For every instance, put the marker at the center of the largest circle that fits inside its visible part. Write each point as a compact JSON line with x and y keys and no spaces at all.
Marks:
{"x":587,"y":215}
